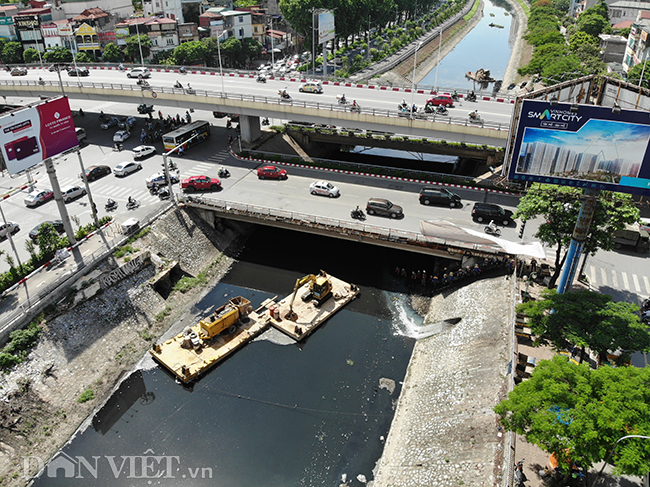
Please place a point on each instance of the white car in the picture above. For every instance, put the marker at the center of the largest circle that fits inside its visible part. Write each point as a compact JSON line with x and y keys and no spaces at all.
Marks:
{"x":121,"y":135}
{"x":137,"y":72}
{"x":38,"y":196}
{"x":126,"y":168}
{"x":72,"y":192}
{"x":311,"y":87}
{"x":8,"y":228}
{"x":143,"y":151}
{"x":325,"y":189}
{"x":159,"y":179}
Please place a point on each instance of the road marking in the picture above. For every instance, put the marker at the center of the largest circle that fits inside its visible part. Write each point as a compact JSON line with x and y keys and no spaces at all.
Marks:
{"x":646,"y":283}
{"x":603,"y":274}
{"x":614,"y":280}
{"x":592,"y":274}
{"x":626,"y":283}
{"x":636,"y":283}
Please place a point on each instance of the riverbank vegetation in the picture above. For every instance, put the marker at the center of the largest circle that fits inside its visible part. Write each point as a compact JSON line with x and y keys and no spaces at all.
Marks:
{"x":559,"y":56}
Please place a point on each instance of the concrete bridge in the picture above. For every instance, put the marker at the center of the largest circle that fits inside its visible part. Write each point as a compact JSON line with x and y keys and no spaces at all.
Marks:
{"x":252,"y":107}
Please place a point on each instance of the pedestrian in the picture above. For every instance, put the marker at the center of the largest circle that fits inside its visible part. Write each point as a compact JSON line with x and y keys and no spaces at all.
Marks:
{"x":160,"y":115}
{"x":397,"y":271}
{"x":533,"y":265}
{"x":403,"y":272}
{"x":435,"y":281}
{"x":574,"y":351}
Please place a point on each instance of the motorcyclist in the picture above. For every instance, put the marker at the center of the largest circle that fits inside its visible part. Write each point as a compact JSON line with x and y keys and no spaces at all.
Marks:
{"x":131,"y":201}
{"x":472,"y":95}
{"x":81,"y":113}
{"x":354,"y":104}
{"x":492,"y":226}
{"x":40,"y":81}
{"x":228,"y":124}
{"x":414,"y":108}
{"x":473,"y":115}
{"x":182,"y":70}
{"x":343,"y":100}
{"x":121,"y":67}
{"x":177,"y":84}
{"x":111,"y":203}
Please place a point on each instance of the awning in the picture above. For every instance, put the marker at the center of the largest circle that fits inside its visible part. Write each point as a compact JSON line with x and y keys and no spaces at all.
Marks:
{"x":449,"y":231}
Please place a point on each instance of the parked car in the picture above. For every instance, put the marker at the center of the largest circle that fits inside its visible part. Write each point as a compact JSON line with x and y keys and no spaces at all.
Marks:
{"x":271,"y":172}
{"x":444,"y":100}
{"x":38,"y":196}
{"x":96,"y":172}
{"x":439,"y":196}
{"x":8,"y":228}
{"x":81,"y":134}
{"x":36,"y":231}
{"x":486,"y":212}
{"x":200,"y":183}
{"x":126,"y":168}
{"x":19,"y":71}
{"x":111,"y":122}
{"x":121,"y":135}
{"x":159,"y":179}
{"x":325,"y":189}
{"x":311,"y":87}
{"x":79,"y":71}
{"x":73,"y":192}
{"x":137,"y":72}
{"x":383,"y":207}
{"x":126,"y":122}
{"x":142,"y":151}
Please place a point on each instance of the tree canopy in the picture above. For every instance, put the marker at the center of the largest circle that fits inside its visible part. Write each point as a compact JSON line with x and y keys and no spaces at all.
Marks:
{"x":112,"y":53}
{"x":58,"y":54}
{"x":190,"y":52}
{"x":133,"y":47}
{"x":578,"y":413}
{"x":559,"y":207}
{"x":634,"y":74}
{"x":31,"y":55}
{"x":12,"y":52}
{"x":586,"y":319}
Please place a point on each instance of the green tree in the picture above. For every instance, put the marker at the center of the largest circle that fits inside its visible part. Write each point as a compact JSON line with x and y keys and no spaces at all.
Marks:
{"x":133,"y":47}
{"x":559,"y":206}
{"x":634,"y":74}
{"x":580,"y":38}
{"x":48,"y":239}
{"x":625,"y":32}
{"x":586,"y":319}
{"x":578,"y":414}
{"x":251,"y":48}
{"x":232,"y":50}
{"x":190,"y":52}
{"x":12,"y":53}
{"x":30,"y":55}
{"x":83,"y":57}
{"x":112,"y":53}
{"x":58,"y":54}
{"x":593,"y":24}
{"x":562,"y":5}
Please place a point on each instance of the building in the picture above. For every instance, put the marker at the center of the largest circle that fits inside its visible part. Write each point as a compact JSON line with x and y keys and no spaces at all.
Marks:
{"x":87,"y":40}
{"x":237,"y":23}
{"x":7,"y":22}
{"x":102,"y":22}
{"x":187,"y":32}
{"x":71,"y":8}
{"x":636,"y":50}
{"x":28,"y":29}
{"x":163,"y":32}
{"x":622,"y":11}
{"x":612,"y":48}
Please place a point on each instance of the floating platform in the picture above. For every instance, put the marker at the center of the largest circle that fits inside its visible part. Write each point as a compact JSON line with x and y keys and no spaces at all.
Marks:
{"x":196,"y":350}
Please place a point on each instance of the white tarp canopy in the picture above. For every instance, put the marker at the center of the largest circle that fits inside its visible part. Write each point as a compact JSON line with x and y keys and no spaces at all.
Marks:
{"x":448,"y":231}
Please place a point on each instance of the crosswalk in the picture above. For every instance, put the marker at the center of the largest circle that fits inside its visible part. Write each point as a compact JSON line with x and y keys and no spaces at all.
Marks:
{"x":599,"y":277}
{"x":111,"y":187}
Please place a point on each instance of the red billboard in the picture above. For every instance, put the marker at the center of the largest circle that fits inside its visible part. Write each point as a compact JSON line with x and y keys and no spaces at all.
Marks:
{"x":32,"y":134}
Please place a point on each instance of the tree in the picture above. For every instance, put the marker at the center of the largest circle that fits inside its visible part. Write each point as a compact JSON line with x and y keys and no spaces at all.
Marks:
{"x":83,"y":57}
{"x":251,"y":48}
{"x":559,"y":207}
{"x":562,"y":5}
{"x":593,"y":24}
{"x":58,"y":54}
{"x":112,"y":53}
{"x":190,"y":52}
{"x":133,"y":47}
{"x":580,"y":38}
{"x":231,"y":49}
{"x":634,"y":74}
{"x":578,"y":414}
{"x":30,"y":55}
{"x":12,"y":52}
{"x":48,"y":239}
{"x":586,"y":319}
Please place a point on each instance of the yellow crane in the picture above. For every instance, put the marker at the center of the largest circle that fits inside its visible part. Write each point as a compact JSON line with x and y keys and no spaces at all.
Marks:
{"x":320,"y":289}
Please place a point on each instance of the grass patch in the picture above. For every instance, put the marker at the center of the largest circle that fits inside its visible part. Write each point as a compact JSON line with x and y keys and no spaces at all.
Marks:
{"x":185,"y":284}
{"x":473,"y":11}
{"x":122,"y":251}
{"x":20,"y":344}
{"x":146,"y":335}
{"x":161,"y":316}
{"x":87,"y":395}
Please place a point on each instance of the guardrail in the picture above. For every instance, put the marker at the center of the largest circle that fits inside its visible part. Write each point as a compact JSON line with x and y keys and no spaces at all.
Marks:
{"x":275,"y":100}
{"x":452,"y":247}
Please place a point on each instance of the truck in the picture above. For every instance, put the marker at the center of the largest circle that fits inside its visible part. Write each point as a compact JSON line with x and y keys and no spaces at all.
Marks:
{"x":224,"y":318}
{"x":632,"y":236}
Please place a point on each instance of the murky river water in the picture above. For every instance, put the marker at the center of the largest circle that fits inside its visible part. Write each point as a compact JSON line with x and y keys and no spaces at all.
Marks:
{"x":276,"y":413}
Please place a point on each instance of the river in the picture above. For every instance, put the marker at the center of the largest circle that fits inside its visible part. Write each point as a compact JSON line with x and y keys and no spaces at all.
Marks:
{"x":276,"y":413}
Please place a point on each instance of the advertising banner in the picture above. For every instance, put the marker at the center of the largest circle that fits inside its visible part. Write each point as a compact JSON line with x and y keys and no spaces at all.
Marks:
{"x":325,"y":27}
{"x":31,"y":135}
{"x":584,"y":146}
{"x":26,"y":21}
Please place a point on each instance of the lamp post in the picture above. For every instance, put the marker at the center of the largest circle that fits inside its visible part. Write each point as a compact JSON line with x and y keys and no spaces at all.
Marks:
{"x":223,"y":90}
{"x":272,"y":49}
{"x":598,"y":478}
{"x":40,"y":59}
{"x":645,"y":59}
{"x":137,"y":31}
{"x":438,"y":63}
{"x":415,"y":58}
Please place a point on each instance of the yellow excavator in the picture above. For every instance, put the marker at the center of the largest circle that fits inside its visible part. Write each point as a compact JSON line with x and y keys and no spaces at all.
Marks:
{"x":320,"y":289}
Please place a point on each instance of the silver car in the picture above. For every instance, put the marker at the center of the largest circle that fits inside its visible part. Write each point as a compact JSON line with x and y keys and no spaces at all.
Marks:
{"x":126,"y":168}
{"x":8,"y":228}
{"x":73,"y":192}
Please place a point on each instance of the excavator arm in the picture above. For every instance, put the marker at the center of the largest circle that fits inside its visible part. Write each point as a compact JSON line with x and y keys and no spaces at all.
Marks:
{"x":299,"y":283}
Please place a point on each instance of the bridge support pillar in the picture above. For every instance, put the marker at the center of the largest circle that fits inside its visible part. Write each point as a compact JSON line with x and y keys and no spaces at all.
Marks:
{"x":250,"y":128}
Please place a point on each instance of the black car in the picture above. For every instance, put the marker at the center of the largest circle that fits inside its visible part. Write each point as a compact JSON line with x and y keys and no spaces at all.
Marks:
{"x":486,"y":212}
{"x":439,"y":196}
{"x":383,"y":207}
{"x":35,"y":232}
{"x":95,"y":172}
{"x":78,"y":72}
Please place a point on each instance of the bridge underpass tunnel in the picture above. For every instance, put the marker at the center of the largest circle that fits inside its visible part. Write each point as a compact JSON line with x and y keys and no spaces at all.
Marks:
{"x":250,"y":128}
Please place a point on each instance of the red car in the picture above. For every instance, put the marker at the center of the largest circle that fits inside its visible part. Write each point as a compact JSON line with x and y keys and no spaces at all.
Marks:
{"x":444,"y":100}
{"x":271,"y":172}
{"x":200,"y":183}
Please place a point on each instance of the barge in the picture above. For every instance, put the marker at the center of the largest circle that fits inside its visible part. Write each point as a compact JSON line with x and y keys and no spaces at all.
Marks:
{"x":200,"y":347}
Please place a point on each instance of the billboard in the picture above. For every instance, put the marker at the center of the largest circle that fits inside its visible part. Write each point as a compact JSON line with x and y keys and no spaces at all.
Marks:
{"x":30,"y":135}
{"x":325,"y":27}
{"x":584,"y":146}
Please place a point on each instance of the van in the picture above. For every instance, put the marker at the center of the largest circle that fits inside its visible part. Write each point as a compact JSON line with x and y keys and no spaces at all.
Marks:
{"x":488,"y":212}
{"x":439,"y":196}
{"x":81,"y":134}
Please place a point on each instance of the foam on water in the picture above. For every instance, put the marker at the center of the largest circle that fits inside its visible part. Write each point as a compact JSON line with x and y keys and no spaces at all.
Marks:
{"x":407,"y":323}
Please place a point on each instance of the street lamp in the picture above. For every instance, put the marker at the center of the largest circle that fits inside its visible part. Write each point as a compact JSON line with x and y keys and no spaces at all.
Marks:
{"x":272,"y":49}
{"x":37,"y":48}
{"x":415,"y":57}
{"x":137,"y":31}
{"x":223,"y":90}
{"x":598,"y":478}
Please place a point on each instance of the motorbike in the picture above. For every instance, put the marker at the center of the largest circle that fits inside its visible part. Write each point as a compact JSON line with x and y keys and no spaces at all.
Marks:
{"x":455,"y":97}
{"x":118,"y":147}
{"x":171,"y":165}
{"x":178,"y":85}
{"x":358,"y":214}
{"x":265,"y":121}
{"x":190,"y":91}
{"x":441,"y":110}
{"x":228,"y":124}
{"x":103,"y":117}
{"x":223,"y":172}
{"x":342,"y":100}
{"x":41,"y":81}
{"x":476,"y":119}
{"x":355,"y":108}
{"x":261,"y":79}
{"x":284,"y":95}
{"x":182,"y":71}
{"x":132,"y":205}
{"x":403,"y":107}
{"x":493,"y":230}
{"x":471,"y":97}
{"x":144,"y":108}
{"x":163,"y":193}
{"x":110,"y":206}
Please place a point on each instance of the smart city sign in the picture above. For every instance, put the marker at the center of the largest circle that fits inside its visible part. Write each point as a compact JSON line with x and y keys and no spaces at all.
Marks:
{"x":584,"y":146}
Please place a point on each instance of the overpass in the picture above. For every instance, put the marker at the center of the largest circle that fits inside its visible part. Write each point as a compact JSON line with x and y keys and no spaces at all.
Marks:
{"x":212,"y":210}
{"x":252,"y":107}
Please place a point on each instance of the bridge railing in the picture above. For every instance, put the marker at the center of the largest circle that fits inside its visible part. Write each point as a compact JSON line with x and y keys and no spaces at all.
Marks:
{"x":269,"y":100}
{"x":377,"y":232}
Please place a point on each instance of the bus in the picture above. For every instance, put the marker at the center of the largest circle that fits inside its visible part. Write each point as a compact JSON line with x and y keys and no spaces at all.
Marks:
{"x":200,"y":128}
